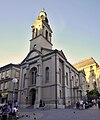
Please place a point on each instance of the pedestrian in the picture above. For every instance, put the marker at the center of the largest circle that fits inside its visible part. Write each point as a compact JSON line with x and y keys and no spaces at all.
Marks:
{"x":81,"y":104}
{"x":40,"y":105}
{"x":84,"y":106}
{"x":16,"y":104}
{"x":4,"y":112}
{"x":43,"y":104}
{"x":99,"y":103}
{"x":77,"y":105}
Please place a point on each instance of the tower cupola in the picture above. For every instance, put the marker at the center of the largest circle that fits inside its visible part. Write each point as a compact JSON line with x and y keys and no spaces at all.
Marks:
{"x":43,"y":16}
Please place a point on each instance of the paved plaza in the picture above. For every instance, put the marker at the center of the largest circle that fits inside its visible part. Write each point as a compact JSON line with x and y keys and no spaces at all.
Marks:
{"x":60,"y":114}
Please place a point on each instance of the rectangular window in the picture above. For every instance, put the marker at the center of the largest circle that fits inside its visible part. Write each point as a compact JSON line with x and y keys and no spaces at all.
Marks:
{"x":7,"y":73}
{"x":5,"y":85}
{"x":24,"y":80}
{"x":2,"y":86}
{"x":59,"y":75}
{"x":66,"y":78}
{"x":60,"y":94}
{"x":50,"y":36}
{"x":17,"y":74}
{"x":73,"y":81}
{"x":47,"y":75}
{"x":76,"y":82}
{"x":3,"y":75}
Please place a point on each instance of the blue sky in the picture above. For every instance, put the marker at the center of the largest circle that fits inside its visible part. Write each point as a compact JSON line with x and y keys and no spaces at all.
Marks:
{"x":75,"y":25}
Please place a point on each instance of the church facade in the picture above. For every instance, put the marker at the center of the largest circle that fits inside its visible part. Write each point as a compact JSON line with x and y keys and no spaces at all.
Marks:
{"x":45,"y":74}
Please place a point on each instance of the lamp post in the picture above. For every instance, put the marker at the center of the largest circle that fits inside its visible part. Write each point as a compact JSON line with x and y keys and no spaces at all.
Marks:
{"x":13,"y":97}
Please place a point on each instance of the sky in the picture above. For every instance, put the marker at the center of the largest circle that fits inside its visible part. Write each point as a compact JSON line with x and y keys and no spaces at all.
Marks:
{"x":75,"y":25}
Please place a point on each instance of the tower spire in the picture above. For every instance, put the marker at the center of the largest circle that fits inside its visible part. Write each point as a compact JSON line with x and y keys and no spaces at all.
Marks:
{"x":44,"y":9}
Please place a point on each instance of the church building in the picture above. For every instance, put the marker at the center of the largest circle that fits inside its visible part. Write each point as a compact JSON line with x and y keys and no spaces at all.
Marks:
{"x":46,"y":74}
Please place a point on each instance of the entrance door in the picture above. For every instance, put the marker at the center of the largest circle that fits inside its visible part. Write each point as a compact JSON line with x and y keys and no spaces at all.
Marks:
{"x":33,"y":94}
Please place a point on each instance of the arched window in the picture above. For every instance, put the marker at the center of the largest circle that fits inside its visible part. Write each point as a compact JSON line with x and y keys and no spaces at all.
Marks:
{"x":59,"y":75}
{"x":33,"y":33}
{"x":46,"y":35}
{"x":47,"y":74}
{"x":36,"y":32}
{"x":34,"y":73}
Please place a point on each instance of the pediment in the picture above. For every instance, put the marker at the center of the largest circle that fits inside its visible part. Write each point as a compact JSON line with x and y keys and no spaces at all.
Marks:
{"x":31,"y":55}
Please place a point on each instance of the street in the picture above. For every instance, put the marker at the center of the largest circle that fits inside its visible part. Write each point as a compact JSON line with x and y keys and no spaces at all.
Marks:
{"x":60,"y":114}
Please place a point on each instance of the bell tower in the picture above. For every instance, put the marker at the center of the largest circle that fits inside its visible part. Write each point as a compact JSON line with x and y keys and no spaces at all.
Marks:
{"x":41,"y":33}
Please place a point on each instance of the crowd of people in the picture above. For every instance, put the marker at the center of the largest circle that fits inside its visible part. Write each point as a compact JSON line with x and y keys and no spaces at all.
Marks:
{"x":86,"y":104}
{"x":9,"y":111}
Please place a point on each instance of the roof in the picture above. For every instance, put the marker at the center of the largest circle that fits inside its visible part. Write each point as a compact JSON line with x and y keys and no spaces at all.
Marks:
{"x":85,"y":62}
{"x":10,"y":65}
{"x":50,"y":51}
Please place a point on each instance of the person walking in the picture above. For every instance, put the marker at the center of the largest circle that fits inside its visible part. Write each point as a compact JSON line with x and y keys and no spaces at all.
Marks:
{"x":40,"y":105}
{"x":99,"y":103}
{"x":77,"y":105}
{"x":81,"y":104}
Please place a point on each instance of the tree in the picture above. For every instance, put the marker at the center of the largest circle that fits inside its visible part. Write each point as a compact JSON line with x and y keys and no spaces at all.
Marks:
{"x":93,"y":94}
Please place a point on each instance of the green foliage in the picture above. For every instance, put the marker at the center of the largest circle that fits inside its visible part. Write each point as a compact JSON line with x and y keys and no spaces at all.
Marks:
{"x":93,"y":94}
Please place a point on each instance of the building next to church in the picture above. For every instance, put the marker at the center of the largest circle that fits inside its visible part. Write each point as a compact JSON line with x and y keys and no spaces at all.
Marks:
{"x":9,"y":89}
{"x":92,"y":71}
{"x":46,"y":73}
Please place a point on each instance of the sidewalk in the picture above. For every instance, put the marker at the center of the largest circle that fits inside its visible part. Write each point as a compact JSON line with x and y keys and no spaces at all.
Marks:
{"x":30,"y":114}
{"x":92,"y":113}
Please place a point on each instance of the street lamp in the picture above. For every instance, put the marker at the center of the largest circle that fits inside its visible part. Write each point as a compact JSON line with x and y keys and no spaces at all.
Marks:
{"x":14,"y":82}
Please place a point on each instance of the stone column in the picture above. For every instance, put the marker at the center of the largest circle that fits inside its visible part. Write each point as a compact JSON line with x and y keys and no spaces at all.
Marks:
{"x":70,"y":87}
{"x":64,"y":83}
{"x":38,"y":83}
{"x":20,"y":87}
{"x":26,"y":85}
{"x":57,"y":81}
{"x":27,"y":76}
